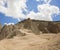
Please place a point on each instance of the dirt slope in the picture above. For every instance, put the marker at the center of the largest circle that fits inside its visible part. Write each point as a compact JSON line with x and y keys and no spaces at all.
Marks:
{"x":32,"y":42}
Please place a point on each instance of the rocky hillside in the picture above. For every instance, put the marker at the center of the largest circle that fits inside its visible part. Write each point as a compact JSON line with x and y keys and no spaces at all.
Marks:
{"x":40,"y":26}
{"x":35,"y":26}
{"x":0,"y":27}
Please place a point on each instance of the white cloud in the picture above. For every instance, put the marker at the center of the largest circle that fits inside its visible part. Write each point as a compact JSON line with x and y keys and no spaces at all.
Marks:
{"x":45,"y":12}
{"x":48,"y":10}
{"x":37,"y":16}
{"x":47,"y":1}
{"x":8,"y":24}
{"x":2,"y":8}
{"x":37,"y":0}
{"x":15,"y":8}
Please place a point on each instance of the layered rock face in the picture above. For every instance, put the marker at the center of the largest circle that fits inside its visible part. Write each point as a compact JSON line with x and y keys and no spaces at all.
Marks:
{"x":36,"y":26}
{"x":53,"y":27}
{"x":40,"y":26}
{"x":8,"y":31}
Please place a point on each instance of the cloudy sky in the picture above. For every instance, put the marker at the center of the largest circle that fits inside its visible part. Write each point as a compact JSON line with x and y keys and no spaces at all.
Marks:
{"x":13,"y":11}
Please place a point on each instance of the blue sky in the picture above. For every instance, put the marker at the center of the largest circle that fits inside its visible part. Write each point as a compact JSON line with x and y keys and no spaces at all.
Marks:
{"x":31,"y":6}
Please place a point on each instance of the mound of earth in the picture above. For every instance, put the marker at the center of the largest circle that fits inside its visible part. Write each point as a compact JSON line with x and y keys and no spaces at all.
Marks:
{"x":30,"y":35}
{"x":35,"y":26}
{"x":32,"y":42}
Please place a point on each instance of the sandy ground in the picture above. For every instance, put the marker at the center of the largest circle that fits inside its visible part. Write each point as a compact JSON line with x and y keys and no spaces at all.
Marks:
{"x":32,"y":42}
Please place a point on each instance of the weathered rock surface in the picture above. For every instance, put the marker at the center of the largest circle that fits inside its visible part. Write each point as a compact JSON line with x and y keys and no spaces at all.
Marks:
{"x":0,"y":27}
{"x":53,"y":27}
{"x":36,"y":26}
{"x":8,"y":31}
{"x":40,"y":26}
